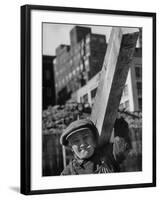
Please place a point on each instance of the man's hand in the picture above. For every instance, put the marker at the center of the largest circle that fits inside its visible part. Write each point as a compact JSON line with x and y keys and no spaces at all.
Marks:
{"x":119,"y":148}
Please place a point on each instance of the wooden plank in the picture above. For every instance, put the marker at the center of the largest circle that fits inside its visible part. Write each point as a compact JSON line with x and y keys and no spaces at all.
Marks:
{"x":114,"y":72}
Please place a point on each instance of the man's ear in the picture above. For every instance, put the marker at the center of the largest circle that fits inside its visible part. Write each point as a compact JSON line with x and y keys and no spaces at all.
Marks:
{"x":95,"y":141}
{"x":70,"y":146}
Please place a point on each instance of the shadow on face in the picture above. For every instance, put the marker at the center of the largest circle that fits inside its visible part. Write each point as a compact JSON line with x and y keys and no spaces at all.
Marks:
{"x":82,"y":143}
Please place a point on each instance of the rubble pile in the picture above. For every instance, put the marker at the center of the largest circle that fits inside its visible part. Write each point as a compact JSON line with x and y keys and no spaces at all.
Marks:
{"x":134,"y":119}
{"x":55,"y":119}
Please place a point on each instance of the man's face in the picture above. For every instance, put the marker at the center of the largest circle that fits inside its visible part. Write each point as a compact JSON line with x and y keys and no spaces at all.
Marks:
{"x":82,"y":143}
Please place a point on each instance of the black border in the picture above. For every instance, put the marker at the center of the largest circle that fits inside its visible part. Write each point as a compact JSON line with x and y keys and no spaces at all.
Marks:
{"x":25,"y":181}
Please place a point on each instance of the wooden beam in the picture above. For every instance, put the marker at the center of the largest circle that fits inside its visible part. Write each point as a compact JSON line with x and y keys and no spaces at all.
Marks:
{"x":114,"y":72}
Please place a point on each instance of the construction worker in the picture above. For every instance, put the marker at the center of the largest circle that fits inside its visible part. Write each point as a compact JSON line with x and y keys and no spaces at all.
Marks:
{"x":81,"y":137}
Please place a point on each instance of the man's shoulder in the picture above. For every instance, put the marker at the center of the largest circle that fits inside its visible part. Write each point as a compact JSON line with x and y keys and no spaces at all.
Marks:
{"x":106,"y":155}
{"x":105,"y":150}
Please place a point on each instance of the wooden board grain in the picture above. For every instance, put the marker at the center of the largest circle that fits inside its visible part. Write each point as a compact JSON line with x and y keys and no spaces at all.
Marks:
{"x":117,"y":62}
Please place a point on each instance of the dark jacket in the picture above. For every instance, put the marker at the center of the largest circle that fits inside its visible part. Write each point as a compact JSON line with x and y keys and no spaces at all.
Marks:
{"x":121,"y":129}
{"x":101,"y":162}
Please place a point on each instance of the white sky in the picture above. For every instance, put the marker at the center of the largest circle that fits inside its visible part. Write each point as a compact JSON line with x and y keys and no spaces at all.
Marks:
{"x":56,"y":34}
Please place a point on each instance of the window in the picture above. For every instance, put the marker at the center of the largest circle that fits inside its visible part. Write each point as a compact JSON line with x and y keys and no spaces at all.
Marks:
{"x":94,"y":38}
{"x":82,"y":43}
{"x":139,"y":88}
{"x":87,"y":53}
{"x":140,"y":103}
{"x":54,"y":61}
{"x":87,"y":65}
{"x":85,"y":98}
{"x":74,"y":72}
{"x":81,"y":67}
{"x":93,"y":93}
{"x":137,"y":64}
{"x":126,"y":104}
{"x":87,"y":50}
{"x":48,"y":75}
{"x":101,"y":40}
{"x":78,"y":68}
{"x":81,"y":99}
{"x":125,"y":90}
{"x":82,"y":51}
{"x":87,"y":39}
{"x":138,"y":72}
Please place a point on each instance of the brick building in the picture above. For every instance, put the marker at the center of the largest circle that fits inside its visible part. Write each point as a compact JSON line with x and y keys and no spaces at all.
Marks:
{"x":76,"y":64}
{"x":48,"y":81}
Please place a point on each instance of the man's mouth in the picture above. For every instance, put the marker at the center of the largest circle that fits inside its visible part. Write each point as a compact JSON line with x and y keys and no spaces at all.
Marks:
{"x":85,"y":148}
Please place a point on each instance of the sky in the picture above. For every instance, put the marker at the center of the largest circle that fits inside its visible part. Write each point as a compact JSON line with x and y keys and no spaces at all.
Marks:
{"x":56,"y":34}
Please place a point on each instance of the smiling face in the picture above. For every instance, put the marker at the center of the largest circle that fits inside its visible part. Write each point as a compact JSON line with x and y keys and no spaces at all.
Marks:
{"x":82,"y":143}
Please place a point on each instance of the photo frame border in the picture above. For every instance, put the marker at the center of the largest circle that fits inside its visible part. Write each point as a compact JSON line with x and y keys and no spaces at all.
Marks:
{"x":25,"y":182}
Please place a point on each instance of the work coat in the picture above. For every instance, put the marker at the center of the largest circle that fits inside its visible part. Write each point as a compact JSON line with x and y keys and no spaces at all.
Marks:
{"x":102,"y":161}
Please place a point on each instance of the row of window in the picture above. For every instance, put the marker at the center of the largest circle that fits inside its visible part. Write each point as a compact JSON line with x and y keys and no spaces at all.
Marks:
{"x":139,"y":88}
{"x":47,"y":75}
{"x":85,"y":98}
{"x":60,"y":69}
{"x":75,"y":73}
{"x":125,"y":91}
{"x":80,"y":50}
{"x":124,"y":105}
{"x":140,"y":103}
{"x":138,"y":72}
{"x":88,"y":39}
{"x":81,"y":67}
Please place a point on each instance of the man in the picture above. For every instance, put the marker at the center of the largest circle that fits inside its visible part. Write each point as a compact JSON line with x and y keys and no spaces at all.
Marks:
{"x":81,"y":137}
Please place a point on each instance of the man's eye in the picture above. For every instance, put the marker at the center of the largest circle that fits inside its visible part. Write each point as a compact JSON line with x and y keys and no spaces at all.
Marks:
{"x":85,"y":136}
{"x":75,"y":141}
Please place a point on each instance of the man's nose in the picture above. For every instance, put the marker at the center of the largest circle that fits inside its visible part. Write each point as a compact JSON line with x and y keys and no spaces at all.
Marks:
{"x":83,"y":144}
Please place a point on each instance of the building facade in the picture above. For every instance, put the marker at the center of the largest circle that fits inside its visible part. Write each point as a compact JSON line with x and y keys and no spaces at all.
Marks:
{"x":48,"y":86}
{"x":76,"y":64}
{"x":131,"y":99}
{"x":132,"y":93}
